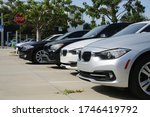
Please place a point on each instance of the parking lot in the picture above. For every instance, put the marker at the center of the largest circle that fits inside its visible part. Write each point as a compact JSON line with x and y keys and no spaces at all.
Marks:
{"x":20,"y":79}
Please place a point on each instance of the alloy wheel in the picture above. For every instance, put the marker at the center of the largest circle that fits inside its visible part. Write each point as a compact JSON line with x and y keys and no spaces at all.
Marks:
{"x":144,"y":78}
{"x":40,"y":55}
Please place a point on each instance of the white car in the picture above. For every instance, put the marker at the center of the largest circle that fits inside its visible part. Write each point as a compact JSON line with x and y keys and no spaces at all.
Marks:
{"x":122,"y":61}
{"x":69,"y":54}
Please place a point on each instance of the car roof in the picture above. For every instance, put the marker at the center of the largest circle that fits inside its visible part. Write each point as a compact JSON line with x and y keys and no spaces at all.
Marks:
{"x":56,"y":34}
{"x":148,"y":22}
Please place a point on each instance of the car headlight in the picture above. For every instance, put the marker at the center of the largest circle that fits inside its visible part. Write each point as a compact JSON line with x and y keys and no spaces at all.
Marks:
{"x":75,"y":51}
{"x":56,"y":46}
{"x":112,"y":53}
{"x":26,"y":47}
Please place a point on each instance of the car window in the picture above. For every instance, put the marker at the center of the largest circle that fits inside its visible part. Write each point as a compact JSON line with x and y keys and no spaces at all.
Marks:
{"x":72,"y":35}
{"x":63,"y":36}
{"x":55,"y":37}
{"x":131,"y":29}
{"x":94,"y":32}
{"x":147,"y":29}
{"x":111,"y":30}
{"x":46,"y":38}
{"x":76,"y":34}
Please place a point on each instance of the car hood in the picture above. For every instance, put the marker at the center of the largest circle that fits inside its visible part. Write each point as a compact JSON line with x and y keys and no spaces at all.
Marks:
{"x":64,"y":41}
{"x":39,"y":43}
{"x":24,"y":43}
{"x":122,"y":41}
{"x":81,"y":44}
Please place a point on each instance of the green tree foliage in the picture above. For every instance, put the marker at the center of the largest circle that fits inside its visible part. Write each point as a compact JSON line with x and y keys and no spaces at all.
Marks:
{"x":10,"y":9}
{"x":103,"y":22}
{"x":115,"y":10}
{"x":104,"y":8}
{"x":86,"y":26}
{"x":134,"y":11}
{"x":43,"y":16}
{"x":110,"y":9}
{"x":93,"y":11}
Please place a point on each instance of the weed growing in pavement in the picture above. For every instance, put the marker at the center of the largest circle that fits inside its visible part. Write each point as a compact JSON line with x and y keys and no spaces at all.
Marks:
{"x":68,"y":91}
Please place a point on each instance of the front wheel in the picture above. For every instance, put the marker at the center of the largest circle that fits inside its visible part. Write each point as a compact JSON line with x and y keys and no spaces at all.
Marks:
{"x":140,"y":78}
{"x":40,"y":56}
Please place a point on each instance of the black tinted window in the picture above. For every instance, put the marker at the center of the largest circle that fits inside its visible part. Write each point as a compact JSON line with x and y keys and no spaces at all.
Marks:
{"x":53,"y":38}
{"x":112,"y":29}
{"x":147,"y":29}
{"x":94,"y":32}
{"x":131,"y":29}
{"x":76,"y":34}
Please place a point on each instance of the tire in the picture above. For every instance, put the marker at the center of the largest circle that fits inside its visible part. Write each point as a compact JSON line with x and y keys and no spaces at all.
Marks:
{"x":58,"y":65}
{"x":139,"y":83}
{"x":38,"y":57}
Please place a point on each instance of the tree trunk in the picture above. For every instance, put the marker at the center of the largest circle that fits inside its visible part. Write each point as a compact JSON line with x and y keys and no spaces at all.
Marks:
{"x":38,"y":34}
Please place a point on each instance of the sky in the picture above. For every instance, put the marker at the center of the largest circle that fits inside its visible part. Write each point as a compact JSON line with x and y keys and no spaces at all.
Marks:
{"x":145,"y":3}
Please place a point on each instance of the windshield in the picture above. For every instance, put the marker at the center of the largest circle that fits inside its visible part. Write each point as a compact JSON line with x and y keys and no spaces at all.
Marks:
{"x":131,"y":29}
{"x":63,"y":36}
{"x":53,"y":38}
{"x":94,"y":31}
{"x":47,"y":38}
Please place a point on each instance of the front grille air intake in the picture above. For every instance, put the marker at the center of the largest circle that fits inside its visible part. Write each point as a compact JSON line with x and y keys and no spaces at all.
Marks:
{"x":86,"y":56}
{"x":64,"y":52}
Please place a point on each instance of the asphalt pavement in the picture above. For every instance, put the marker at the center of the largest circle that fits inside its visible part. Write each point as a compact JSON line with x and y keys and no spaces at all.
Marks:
{"x":22,"y":80}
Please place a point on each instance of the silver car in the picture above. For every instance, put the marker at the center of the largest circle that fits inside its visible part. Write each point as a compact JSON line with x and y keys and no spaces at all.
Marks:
{"x":122,"y":61}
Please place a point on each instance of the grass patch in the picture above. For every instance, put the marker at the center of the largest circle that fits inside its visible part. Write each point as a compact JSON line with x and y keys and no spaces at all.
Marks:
{"x":68,"y":91}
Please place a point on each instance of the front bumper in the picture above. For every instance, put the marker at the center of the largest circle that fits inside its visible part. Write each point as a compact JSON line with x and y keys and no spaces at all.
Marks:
{"x":98,"y":75}
{"x":26,"y":55}
{"x":68,"y":60}
{"x":54,"y":57}
{"x":97,"y":71}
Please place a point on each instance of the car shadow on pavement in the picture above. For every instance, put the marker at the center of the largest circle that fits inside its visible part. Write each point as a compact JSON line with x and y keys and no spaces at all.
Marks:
{"x":74,"y":73}
{"x":57,"y":67}
{"x":119,"y":93}
{"x":30,"y":63}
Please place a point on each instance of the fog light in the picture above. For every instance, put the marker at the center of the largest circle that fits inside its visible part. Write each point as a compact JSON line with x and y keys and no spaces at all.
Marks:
{"x":103,"y":75}
{"x":111,"y":75}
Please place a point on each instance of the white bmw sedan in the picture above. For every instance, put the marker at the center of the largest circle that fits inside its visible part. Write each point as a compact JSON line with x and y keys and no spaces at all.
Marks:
{"x":122,"y":61}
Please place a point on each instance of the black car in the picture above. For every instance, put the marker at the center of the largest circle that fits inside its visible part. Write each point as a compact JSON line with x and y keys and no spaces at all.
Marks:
{"x":34,"y":51}
{"x":53,"y":49}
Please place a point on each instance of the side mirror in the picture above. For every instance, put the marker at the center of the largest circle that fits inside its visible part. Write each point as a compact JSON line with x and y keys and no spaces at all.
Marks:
{"x":103,"y":35}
